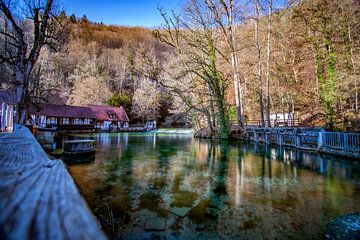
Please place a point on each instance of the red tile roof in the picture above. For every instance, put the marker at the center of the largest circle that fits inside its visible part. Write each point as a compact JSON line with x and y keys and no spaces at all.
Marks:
{"x":52,"y":110}
{"x":102,"y":113}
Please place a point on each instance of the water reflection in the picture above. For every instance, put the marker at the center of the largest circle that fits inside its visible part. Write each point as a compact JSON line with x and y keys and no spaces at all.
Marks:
{"x":173,"y":186}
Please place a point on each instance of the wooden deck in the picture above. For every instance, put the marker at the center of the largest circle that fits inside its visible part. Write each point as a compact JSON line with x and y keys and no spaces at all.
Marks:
{"x":38,"y":198}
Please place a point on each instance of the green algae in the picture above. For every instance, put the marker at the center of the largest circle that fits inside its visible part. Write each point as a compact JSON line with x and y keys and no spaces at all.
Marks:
{"x":199,"y":213}
{"x":250,"y":224}
{"x":184,"y":199}
{"x":177,"y":182}
{"x":160,"y":182}
{"x":151,"y":201}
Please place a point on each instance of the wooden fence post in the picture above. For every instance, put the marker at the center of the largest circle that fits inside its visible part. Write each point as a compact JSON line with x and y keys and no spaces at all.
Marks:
{"x":296,"y":138}
{"x":255,"y":136}
{"x":346,"y":141}
{"x":320,"y":140}
{"x":279,"y":138}
{"x":266,"y":137}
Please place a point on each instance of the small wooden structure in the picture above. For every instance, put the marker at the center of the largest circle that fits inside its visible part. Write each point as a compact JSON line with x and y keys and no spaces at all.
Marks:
{"x":38,"y":198}
{"x":78,"y":147}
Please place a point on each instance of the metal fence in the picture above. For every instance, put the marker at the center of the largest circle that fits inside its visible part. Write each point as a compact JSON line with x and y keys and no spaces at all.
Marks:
{"x":307,"y":138}
{"x":273,"y":123}
{"x":346,"y":141}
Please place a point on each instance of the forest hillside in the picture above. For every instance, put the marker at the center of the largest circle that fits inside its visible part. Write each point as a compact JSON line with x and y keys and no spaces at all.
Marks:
{"x":302,"y":58}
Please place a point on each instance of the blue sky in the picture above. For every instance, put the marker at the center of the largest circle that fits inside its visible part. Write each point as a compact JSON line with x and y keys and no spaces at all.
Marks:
{"x":120,"y":12}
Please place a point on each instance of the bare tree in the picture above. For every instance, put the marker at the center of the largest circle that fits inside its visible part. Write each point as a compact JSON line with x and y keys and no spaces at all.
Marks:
{"x":25,"y":48}
{"x":259,"y":64}
{"x":223,"y":11}
{"x":200,"y":52}
{"x":267,"y":93}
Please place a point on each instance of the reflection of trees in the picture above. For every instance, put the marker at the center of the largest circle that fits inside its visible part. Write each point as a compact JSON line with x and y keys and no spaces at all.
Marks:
{"x":219,"y":190}
{"x":222,"y":169}
{"x":113,"y":198}
{"x":239,"y":174}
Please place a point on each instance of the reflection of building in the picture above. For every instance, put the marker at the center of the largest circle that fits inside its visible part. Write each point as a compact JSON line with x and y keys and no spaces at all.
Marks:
{"x":110,"y":118}
{"x":79,"y":118}
{"x":7,"y":103}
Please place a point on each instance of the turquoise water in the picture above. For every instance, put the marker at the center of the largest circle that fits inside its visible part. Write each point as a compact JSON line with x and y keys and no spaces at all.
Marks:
{"x":172,"y":186}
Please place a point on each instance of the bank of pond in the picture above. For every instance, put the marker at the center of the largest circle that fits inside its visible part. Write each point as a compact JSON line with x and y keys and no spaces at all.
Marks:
{"x":165,"y":185}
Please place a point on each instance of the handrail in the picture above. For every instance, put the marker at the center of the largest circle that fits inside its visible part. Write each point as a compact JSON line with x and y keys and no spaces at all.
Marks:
{"x":273,"y":123}
{"x":347,"y":141}
{"x":307,"y":138}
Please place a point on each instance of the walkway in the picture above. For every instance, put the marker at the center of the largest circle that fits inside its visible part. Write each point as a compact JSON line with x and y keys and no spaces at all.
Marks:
{"x":38,"y":198}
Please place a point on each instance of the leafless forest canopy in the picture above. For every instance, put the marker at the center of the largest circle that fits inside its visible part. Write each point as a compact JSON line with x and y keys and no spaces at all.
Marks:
{"x":216,"y":61}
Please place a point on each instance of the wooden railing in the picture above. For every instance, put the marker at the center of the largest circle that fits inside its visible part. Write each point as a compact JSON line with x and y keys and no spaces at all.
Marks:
{"x":39,"y":199}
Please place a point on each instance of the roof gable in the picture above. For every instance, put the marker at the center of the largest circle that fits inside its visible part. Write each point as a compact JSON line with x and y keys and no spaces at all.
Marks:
{"x":103,"y":113}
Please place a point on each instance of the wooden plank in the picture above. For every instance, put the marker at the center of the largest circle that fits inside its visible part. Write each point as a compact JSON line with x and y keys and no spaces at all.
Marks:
{"x":38,"y":198}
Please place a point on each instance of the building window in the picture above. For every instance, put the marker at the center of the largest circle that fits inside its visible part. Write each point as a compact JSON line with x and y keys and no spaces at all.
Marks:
{"x":51,"y":120}
{"x":65,"y":121}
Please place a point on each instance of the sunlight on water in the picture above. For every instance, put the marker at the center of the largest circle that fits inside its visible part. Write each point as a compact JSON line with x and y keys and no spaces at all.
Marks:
{"x":167,"y":186}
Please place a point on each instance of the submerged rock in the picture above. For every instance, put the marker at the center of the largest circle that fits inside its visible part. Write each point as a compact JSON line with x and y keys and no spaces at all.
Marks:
{"x":184,"y":199}
{"x":344,"y":227}
{"x":181,"y":212}
{"x":152,"y":202}
{"x":155,"y":224}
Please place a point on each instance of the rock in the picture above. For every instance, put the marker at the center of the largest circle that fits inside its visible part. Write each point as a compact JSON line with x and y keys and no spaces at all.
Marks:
{"x":241,"y":211}
{"x":213,"y":213}
{"x":344,"y":227}
{"x":155,"y":224}
{"x":177,"y":225}
{"x":181,"y":212}
{"x":200,"y":227}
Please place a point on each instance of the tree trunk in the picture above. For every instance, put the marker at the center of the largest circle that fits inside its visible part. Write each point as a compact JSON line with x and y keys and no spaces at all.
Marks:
{"x":353,"y":69}
{"x":212,"y":111}
{"x":237,"y":91}
{"x":223,"y":121}
{"x":326,"y":76}
{"x":257,"y":45}
{"x":20,"y":76}
{"x":210,"y":125}
{"x":268,"y":66}
{"x":234,"y":64}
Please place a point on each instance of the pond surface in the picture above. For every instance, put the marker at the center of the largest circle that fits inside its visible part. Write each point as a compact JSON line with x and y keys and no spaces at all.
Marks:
{"x":172,"y":186}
